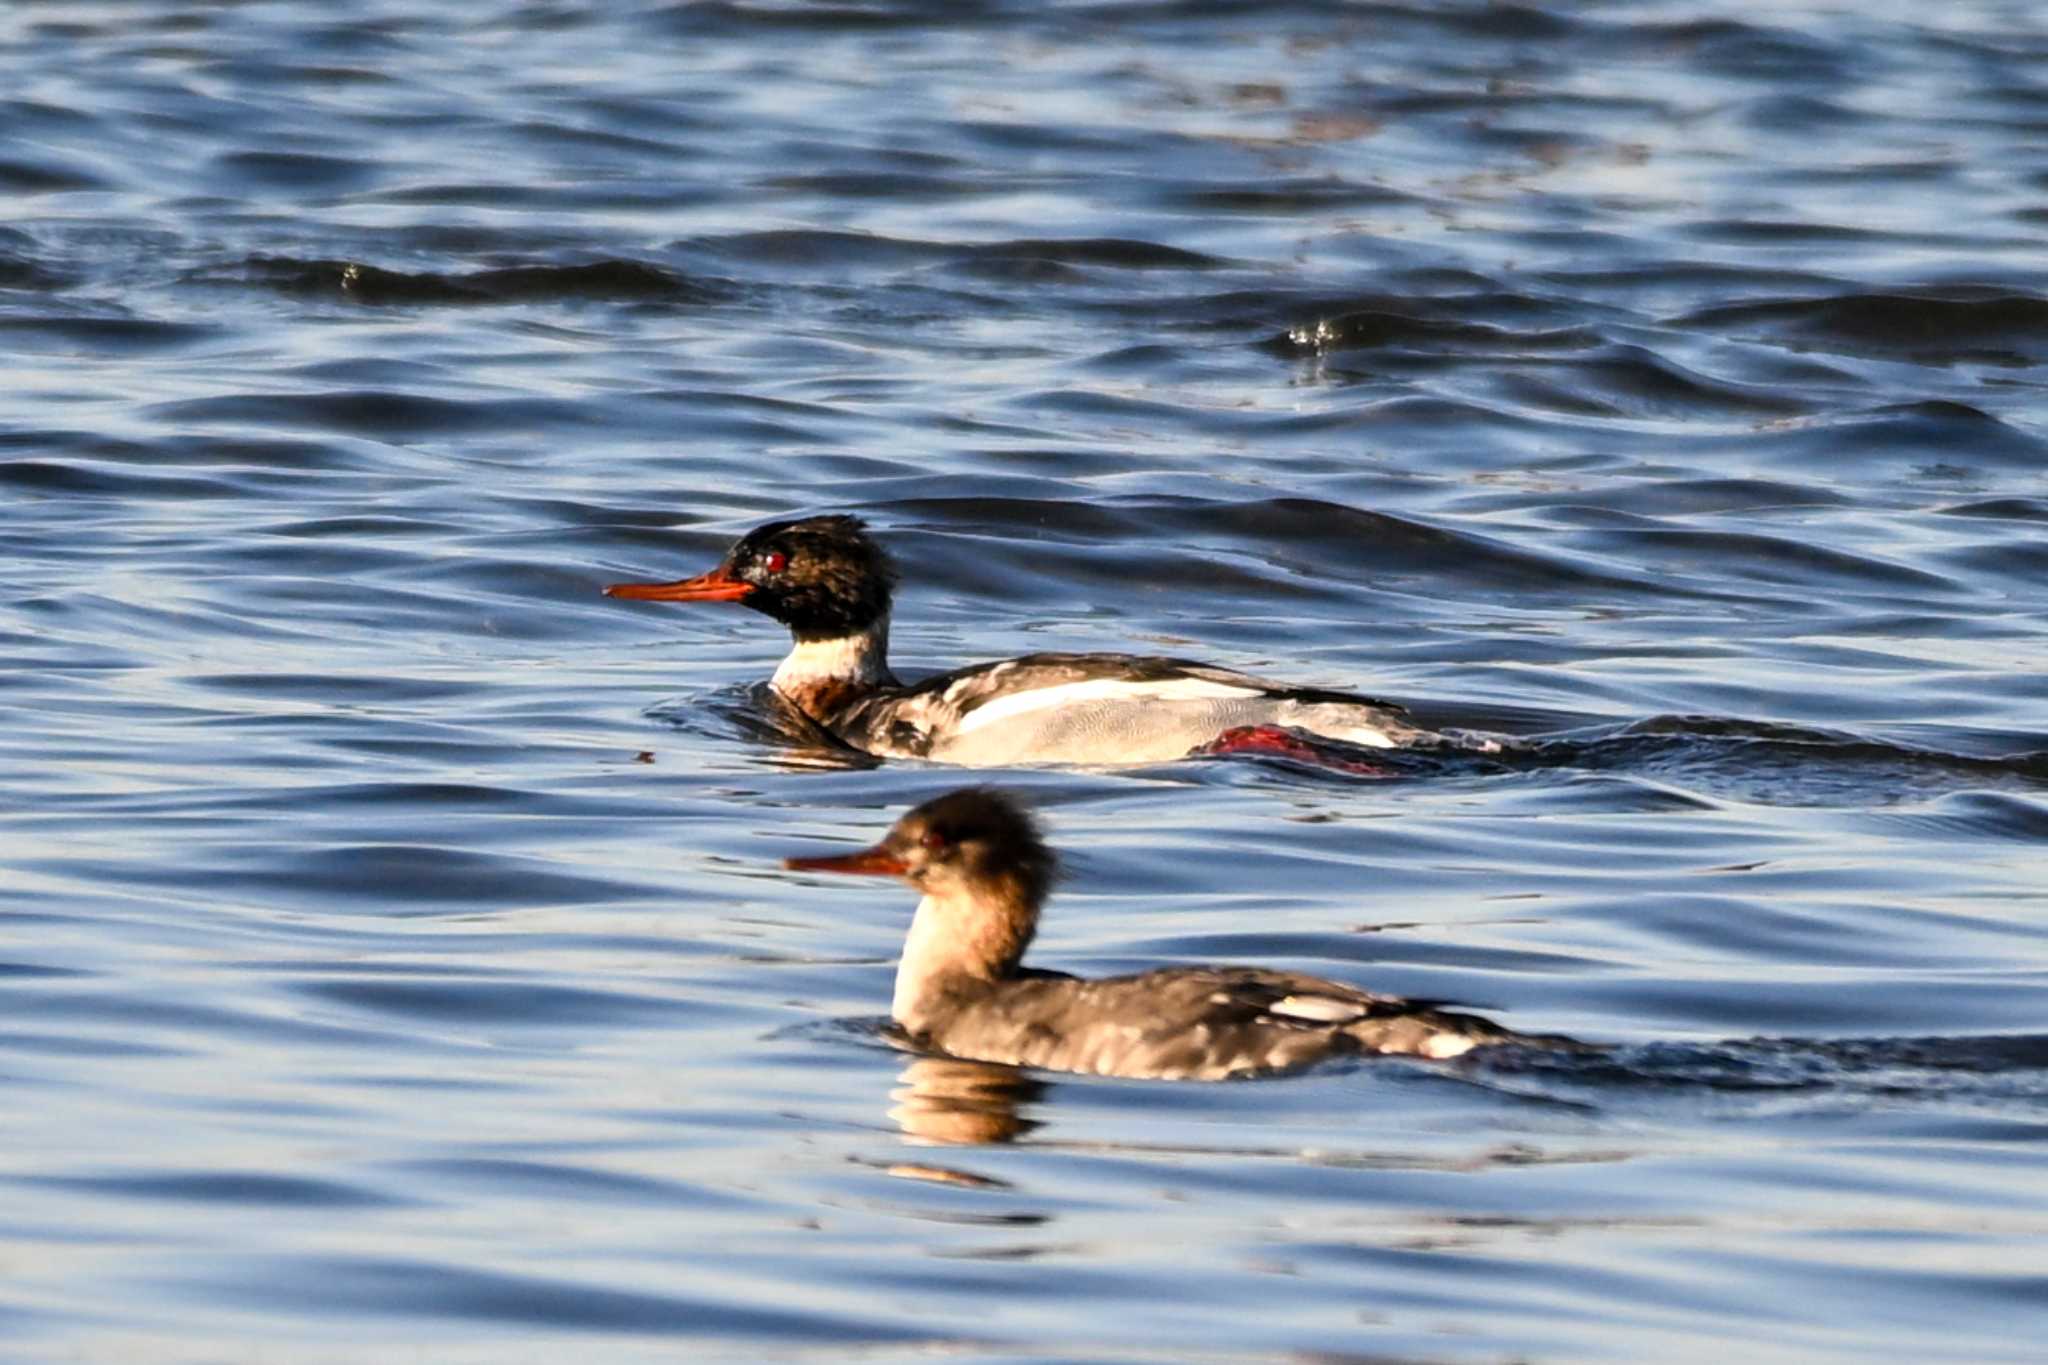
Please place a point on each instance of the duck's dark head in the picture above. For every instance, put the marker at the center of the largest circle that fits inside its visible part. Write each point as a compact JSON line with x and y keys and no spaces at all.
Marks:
{"x":823,"y":577}
{"x":975,"y":844}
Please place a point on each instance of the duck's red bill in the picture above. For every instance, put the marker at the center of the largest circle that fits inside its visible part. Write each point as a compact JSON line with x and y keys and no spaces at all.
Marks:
{"x":716,"y":586}
{"x":877,"y":861}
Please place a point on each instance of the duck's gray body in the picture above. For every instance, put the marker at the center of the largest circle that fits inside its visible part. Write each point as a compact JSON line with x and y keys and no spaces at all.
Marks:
{"x":1183,"y":1023}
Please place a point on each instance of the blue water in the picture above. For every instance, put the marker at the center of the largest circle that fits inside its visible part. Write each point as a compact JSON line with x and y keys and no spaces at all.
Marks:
{"x":394,"y":955}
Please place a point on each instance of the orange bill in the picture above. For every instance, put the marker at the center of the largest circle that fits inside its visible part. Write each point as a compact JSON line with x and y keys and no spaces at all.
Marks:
{"x":715,"y":586}
{"x":876,"y":861}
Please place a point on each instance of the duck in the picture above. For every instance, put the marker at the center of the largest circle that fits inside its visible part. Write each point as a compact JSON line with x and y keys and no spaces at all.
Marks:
{"x":832,"y":585}
{"x":983,"y":871}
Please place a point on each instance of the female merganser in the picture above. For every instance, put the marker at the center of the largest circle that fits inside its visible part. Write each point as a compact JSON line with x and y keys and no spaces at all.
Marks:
{"x":983,"y":870}
{"x":826,"y":580}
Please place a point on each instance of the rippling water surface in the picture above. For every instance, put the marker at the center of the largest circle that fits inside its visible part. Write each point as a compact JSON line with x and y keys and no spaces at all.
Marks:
{"x":393,"y":950}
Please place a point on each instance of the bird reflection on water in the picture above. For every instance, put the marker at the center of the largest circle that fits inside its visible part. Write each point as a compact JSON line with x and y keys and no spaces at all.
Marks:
{"x":949,"y":1102}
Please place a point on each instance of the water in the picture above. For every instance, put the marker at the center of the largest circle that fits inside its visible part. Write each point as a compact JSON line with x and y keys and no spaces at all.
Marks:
{"x":395,"y":956}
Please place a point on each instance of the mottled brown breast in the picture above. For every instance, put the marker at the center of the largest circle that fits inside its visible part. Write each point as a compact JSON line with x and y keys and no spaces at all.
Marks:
{"x":825,"y":699}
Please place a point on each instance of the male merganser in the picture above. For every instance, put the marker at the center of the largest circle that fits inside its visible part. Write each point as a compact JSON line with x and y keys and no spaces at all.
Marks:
{"x":961,"y":988}
{"x":830,"y":583}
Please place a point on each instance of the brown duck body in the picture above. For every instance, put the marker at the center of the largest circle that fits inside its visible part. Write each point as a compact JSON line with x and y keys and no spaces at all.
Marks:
{"x":962,"y":988}
{"x":1183,"y":1023}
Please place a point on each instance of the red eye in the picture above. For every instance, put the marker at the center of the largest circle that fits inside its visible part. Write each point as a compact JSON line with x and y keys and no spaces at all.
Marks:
{"x":775,"y":561}
{"x":933,"y":840}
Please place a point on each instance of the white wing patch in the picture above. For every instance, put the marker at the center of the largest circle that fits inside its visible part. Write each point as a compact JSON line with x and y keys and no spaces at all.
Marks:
{"x":1100,"y":689}
{"x":1364,"y":736}
{"x":1321,"y":1009}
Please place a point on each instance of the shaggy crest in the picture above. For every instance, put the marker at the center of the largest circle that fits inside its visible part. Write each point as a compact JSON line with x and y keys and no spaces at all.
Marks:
{"x":823,"y":577}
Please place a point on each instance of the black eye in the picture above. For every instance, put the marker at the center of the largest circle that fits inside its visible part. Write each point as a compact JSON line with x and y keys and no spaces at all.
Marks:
{"x":775,"y":561}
